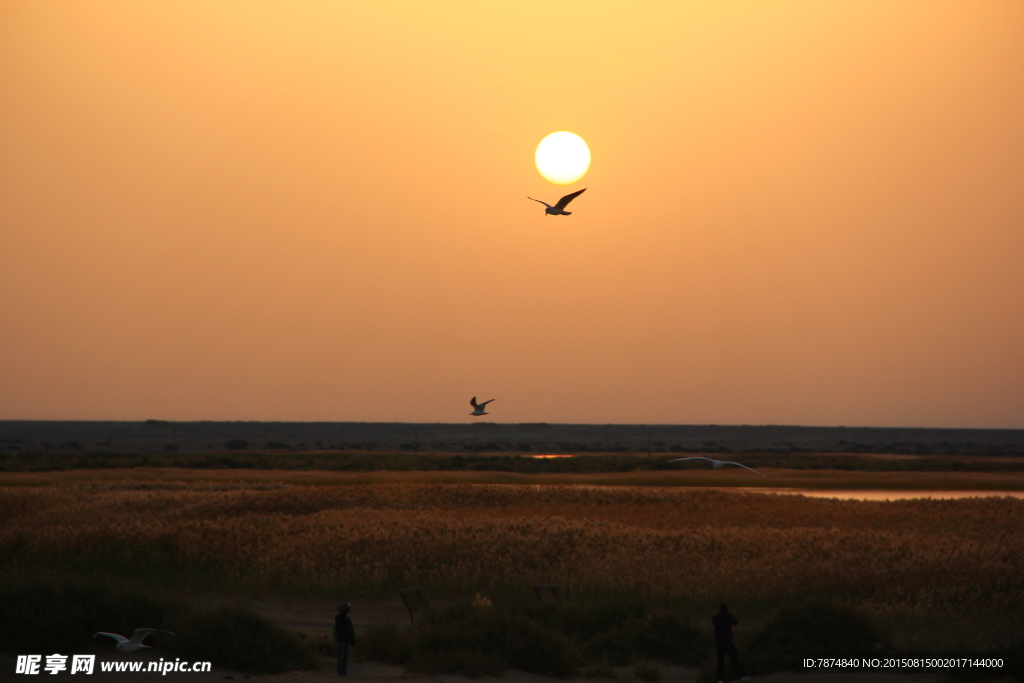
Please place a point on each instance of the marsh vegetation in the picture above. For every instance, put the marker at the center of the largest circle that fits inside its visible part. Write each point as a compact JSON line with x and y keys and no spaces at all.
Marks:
{"x":949,"y":572}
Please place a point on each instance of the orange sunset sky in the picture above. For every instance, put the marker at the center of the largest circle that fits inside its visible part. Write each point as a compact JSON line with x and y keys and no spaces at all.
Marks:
{"x":797,"y":212}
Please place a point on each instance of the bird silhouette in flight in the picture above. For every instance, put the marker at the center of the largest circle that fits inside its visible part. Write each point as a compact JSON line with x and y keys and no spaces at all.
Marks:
{"x":559,"y":208}
{"x":719,"y":464}
{"x":136,"y":642}
{"x":478,"y":408}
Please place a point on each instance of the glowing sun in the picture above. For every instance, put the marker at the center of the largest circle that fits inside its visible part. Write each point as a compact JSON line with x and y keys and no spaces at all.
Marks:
{"x":562,"y":157}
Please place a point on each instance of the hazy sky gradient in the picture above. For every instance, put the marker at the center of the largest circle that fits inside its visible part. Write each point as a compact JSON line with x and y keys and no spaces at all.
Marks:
{"x":797,"y":212}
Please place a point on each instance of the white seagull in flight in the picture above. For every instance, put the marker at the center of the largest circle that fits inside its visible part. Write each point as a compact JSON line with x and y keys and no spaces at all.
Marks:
{"x":719,"y":464}
{"x":125,"y":645}
{"x":478,"y":408}
{"x":559,"y":208}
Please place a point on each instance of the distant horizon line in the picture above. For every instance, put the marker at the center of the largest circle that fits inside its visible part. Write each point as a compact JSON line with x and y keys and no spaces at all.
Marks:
{"x":492,"y":422}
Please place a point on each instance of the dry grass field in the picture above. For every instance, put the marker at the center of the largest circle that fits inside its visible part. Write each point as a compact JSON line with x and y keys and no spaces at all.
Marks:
{"x":229,"y":534}
{"x":941,"y":576}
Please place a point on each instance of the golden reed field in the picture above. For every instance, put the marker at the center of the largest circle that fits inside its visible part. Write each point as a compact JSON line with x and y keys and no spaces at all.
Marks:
{"x":912,"y":556}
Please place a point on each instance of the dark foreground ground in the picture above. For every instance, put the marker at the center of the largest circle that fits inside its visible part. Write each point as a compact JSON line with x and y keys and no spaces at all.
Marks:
{"x":390,"y":673}
{"x":312,"y":617}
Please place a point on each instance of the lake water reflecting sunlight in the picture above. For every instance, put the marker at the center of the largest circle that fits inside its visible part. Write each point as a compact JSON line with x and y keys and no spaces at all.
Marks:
{"x":880,"y":494}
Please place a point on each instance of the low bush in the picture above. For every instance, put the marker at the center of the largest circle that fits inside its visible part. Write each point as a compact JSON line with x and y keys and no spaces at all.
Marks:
{"x":599,"y":670}
{"x":386,"y":643}
{"x":648,"y":672}
{"x":41,"y":616}
{"x":1013,"y":658}
{"x":549,"y":639}
{"x":623,"y":629}
{"x":240,"y":639}
{"x":1013,"y":665}
{"x":475,"y":641}
{"x":808,"y":630}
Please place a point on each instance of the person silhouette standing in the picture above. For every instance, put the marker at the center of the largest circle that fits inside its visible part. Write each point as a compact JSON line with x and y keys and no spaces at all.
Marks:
{"x":723,"y":623}
{"x":345,"y":635}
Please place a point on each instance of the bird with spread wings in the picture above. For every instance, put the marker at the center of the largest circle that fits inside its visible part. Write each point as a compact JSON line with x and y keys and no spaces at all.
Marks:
{"x":719,"y":464}
{"x":559,"y":208}
{"x":136,"y":641}
{"x":478,"y":408}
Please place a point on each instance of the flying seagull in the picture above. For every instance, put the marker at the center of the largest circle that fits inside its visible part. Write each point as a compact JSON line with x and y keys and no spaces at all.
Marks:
{"x":559,"y":208}
{"x":125,"y":645}
{"x":478,"y":408}
{"x":719,"y":464}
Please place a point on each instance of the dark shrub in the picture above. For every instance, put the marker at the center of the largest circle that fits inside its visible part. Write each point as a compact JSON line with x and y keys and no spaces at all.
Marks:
{"x":237,"y":444}
{"x":54,"y":617}
{"x":671,"y":638}
{"x":599,"y":670}
{"x":585,"y":619}
{"x":240,"y":639}
{"x":647,"y":672}
{"x":552,"y":639}
{"x":38,"y":616}
{"x":1013,"y":659}
{"x":613,"y":646}
{"x":478,"y":641}
{"x":809,"y":630}
{"x":386,"y":644}
{"x":663,"y":636}
{"x":1013,"y":665}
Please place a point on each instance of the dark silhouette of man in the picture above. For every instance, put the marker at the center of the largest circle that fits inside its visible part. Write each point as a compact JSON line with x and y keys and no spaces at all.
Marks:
{"x":345,"y":634}
{"x":723,"y":623}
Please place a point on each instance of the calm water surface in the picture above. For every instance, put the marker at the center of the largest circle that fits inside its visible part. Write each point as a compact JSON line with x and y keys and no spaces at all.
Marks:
{"x":888,"y":495}
{"x":842,"y":494}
